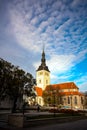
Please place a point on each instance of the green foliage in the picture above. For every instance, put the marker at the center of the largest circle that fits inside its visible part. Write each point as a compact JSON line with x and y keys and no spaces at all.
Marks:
{"x":13,"y":80}
{"x":51,"y":95}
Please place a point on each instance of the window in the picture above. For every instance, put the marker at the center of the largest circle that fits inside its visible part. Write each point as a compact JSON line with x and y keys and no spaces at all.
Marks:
{"x":68,"y":100}
{"x":75,"y":100}
{"x":60,"y":100}
{"x":64,"y":99}
{"x":40,"y":81}
{"x":46,"y":81}
{"x":61,"y":90}
{"x":46,"y":74}
{"x":40,"y":73}
{"x":81,"y":100}
{"x":39,"y":100}
{"x":68,"y":90}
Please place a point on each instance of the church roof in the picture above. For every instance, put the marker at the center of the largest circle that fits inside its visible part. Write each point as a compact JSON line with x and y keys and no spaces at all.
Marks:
{"x":43,"y":63}
{"x":41,"y":67}
{"x":67,"y":85}
{"x":38,"y":91}
{"x":71,"y":93}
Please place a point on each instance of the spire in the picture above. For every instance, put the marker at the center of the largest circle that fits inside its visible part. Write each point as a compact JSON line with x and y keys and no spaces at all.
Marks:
{"x":43,"y":58}
{"x":43,"y":46}
{"x":43,"y":62}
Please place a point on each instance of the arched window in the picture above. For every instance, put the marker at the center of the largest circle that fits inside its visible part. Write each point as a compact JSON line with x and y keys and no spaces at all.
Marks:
{"x":81,"y":100}
{"x":60,"y":100}
{"x":68,"y":100}
{"x":75,"y":100}
{"x":39,"y":100}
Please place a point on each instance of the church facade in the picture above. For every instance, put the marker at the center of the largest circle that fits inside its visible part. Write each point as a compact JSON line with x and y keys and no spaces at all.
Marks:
{"x":69,"y":94}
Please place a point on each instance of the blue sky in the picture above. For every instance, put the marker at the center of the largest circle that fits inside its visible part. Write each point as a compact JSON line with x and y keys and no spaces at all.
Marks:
{"x":25,"y":25}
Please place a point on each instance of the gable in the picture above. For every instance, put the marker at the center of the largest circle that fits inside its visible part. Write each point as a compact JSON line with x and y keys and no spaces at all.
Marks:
{"x":38,"y":91}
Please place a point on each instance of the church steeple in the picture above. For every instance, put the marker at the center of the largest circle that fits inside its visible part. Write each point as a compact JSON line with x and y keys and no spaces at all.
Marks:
{"x":42,"y":78}
{"x":43,"y":59}
{"x":43,"y":62}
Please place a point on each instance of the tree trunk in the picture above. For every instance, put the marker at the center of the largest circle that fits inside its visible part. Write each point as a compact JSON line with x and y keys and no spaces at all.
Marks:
{"x":14,"y":105}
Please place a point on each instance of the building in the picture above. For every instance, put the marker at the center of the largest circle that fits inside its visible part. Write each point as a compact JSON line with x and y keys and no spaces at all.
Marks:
{"x":42,"y":79}
{"x":69,"y":94}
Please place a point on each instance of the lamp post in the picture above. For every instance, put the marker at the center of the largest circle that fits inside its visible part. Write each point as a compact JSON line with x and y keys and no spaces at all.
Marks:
{"x":71,"y":96}
{"x":54,"y":91}
{"x":71,"y":100}
{"x":24,"y":99}
{"x":25,"y":89}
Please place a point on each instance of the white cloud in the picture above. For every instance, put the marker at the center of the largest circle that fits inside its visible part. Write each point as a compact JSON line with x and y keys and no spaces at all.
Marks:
{"x":75,"y":3}
{"x":60,"y":78}
{"x":60,"y":30}
{"x":81,"y":81}
{"x":60,"y":63}
{"x":23,"y":32}
{"x":28,"y":29}
{"x":83,"y":87}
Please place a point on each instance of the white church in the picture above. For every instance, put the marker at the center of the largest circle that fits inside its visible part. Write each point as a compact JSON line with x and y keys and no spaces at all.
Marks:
{"x":65,"y":89}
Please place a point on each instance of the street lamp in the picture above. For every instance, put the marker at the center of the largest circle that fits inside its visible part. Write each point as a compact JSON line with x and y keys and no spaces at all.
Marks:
{"x":71,"y":100}
{"x":24,"y":100}
{"x":71,"y":96}
{"x":25,"y":90}
{"x":54,"y":91}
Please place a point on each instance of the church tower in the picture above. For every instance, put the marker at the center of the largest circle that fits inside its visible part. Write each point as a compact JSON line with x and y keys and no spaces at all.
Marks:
{"x":43,"y":73}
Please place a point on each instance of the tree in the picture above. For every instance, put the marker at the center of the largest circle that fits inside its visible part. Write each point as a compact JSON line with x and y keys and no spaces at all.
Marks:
{"x":13,"y":81}
{"x":51,"y":95}
{"x":15,"y":89}
{"x":5,"y":76}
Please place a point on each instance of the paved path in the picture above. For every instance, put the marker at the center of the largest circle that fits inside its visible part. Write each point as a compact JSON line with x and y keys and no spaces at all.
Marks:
{"x":76,"y":125}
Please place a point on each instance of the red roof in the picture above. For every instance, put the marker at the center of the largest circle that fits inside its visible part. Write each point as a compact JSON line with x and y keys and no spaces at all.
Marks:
{"x":68,"y":85}
{"x":39,"y":91}
{"x":71,"y":93}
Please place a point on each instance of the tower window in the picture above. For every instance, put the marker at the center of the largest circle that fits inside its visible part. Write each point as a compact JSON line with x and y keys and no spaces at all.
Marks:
{"x":41,"y":73}
{"x":46,"y":74}
{"x":40,"y":81}
{"x":46,"y":81}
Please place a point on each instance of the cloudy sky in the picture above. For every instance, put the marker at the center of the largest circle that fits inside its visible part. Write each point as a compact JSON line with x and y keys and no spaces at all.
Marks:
{"x":61,"y":25}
